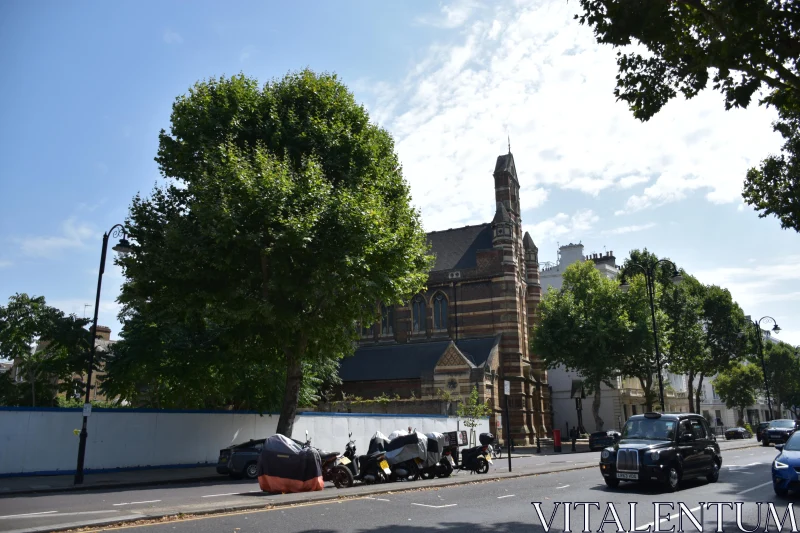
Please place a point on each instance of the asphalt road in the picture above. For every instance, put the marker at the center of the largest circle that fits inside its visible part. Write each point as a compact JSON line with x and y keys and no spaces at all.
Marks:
{"x":503,"y":505}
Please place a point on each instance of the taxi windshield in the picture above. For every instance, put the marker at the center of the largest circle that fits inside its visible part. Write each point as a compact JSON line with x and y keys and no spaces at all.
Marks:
{"x":649,"y":429}
{"x":782,"y":424}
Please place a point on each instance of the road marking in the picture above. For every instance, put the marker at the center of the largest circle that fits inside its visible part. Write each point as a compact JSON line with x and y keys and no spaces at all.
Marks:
{"x":672,"y":517}
{"x":564,"y":487}
{"x":135,"y":503}
{"x":509,"y":496}
{"x":756,"y":487}
{"x":226,"y":494}
{"x":377,"y":499}
{"x":435,"y":506}
{"x":27,"y":514}
{"x":56,"y":513}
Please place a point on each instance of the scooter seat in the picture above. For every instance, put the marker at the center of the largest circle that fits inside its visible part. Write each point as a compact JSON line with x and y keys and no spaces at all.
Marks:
{"x":326,"y":456}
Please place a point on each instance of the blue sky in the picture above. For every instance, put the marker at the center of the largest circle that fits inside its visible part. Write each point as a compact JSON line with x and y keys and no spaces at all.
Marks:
{"x":88,"y":85}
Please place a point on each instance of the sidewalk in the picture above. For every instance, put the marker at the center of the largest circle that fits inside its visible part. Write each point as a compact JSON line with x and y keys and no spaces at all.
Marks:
{"x":208,"y":474}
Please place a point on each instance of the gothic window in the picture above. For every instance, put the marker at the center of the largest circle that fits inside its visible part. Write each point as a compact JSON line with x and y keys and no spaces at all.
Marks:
{"x":439,"y":311}
{"x":418,"y":314}
{"x":387,"y":320}
{"x":366,"y":331}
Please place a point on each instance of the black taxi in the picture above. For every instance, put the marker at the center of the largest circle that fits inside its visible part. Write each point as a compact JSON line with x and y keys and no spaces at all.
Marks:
{"x":663,"y":448}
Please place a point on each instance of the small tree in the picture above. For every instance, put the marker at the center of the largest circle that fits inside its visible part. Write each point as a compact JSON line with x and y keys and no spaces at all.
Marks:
{"x":738,"y":387}
{"x":472,"y":410}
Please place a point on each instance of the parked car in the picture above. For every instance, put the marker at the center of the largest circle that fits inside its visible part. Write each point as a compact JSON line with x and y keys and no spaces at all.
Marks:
{"x":601,"y":439}
{"x":760,"y":430}
{"x":737,"y":433}
{"x":240,"y":460}
{"x":778,"y":431}
{"x":665,"y":448}
{"x":786,"y":467}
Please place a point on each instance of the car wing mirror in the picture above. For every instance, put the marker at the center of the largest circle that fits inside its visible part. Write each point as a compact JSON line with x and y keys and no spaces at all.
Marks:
{"x":687,"y":437}
{"x":779,"y":447}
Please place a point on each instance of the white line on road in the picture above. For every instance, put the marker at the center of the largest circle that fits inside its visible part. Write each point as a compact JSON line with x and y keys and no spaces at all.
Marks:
{"x":435,"y":506}
{"x":27,"y":514}
{"x":509,"y":496}
{"x":563,"y":487}
{"x":136,"y":503}
{"x":226,"y":494}
{"x":756,"y":487}
{"x":377,"y":499}
{"x":56,"y":513}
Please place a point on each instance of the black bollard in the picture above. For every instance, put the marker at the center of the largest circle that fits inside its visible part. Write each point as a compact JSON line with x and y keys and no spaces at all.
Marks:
{"x":538,"y":446}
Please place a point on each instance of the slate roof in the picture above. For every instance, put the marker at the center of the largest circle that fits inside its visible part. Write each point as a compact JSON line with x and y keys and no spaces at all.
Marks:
{"x":410,"y":360}
{"x":505,"y":163}
{"x":457,"y":248}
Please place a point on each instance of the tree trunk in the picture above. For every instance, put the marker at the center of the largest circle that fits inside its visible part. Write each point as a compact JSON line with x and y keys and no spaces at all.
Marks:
{"x":647,"y":387}
{"x":598,"y":422}
{"x":690,"y":392}
{"x":698,"y":394}
{"x":740,"y":422}
{"x":294,"y":380}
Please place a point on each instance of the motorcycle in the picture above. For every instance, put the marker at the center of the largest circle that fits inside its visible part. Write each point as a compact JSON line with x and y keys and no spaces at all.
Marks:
{"x":373,"y":467}
{"x":476,"y":459}
{"x":334,"y":466}
{"x":406,"y":454}
{"x":436,"y":464}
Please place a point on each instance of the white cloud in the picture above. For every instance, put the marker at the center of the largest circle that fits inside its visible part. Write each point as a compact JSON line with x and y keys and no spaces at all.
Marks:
{"x":562,"y":226}
{"x":172,"y":37}
{"x":452,"y":15}
{"x":527,"y":69}
{"x":74,"y":234}
{"x":629,"y":229}
{"x":763,"y":288}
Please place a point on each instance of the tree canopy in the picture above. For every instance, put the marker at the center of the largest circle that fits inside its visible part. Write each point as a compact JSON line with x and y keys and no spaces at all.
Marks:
{"x":48,"y":347}
{"x":742,"y":49}
{"x":783,"y":375}
{"x":738,"y":385}
{"x":584,"y":327}
{"x":286,"y":220}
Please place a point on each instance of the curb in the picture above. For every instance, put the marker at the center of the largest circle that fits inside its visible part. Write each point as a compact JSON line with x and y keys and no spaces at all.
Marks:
{"x":133,"y":484}
{"x":391,"y":488}
{"x":103,"y":486}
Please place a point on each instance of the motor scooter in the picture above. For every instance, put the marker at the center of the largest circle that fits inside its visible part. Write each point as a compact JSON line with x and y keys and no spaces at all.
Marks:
{"x":334,"y":466}
{"x":373,"y":467}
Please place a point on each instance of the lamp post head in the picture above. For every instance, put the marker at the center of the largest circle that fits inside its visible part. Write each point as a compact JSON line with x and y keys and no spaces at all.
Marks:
{"x":123,"y":248}
{"x":776,"y":328}
{"x":676,"y":276}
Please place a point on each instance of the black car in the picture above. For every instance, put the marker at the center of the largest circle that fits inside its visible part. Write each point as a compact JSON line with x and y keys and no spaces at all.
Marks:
{"x":601,"y":439}
{"x":762,"y":426}
{"x":665,"y":448}
{"x":778,"y":431}
{"x":240,"y":460}
{"x":737,"y":433}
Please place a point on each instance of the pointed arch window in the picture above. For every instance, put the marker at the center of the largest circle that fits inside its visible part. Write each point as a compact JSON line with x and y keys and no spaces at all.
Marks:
{"x":366,"y":331}
{"x":439,"y":311}
{"x":387,"y":320}
{"x":418,"y":314}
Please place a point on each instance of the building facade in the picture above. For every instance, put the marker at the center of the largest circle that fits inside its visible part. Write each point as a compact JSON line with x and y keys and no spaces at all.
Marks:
{"x":469,"y":328}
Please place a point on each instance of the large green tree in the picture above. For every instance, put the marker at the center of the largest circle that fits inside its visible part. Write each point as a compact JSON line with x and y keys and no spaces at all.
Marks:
{"x":584,"y":327}
{"x":783,"y":374}
{"x":703,"y":329}
{"x":286,"y":218}
{"x":738,"y":387}
{"x":49,"y":349}
{"x":641,"y":362}
{"x":743,"y":49}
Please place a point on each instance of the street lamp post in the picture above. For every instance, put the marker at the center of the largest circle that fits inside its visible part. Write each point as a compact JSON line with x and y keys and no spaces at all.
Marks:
{"x":776,"y":329}
{"x":649,"y":276}
{"x":122,"y":248}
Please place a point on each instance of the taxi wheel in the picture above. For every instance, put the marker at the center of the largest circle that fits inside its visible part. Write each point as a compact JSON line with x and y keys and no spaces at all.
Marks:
{"x":673,"y":478}
{"x":612,"y":482}
{"x":713,"y":476}
{"x":251,"y":471}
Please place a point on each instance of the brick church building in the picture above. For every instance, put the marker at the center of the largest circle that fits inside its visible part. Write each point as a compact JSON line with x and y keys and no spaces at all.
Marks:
{"x":470,"y":327}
